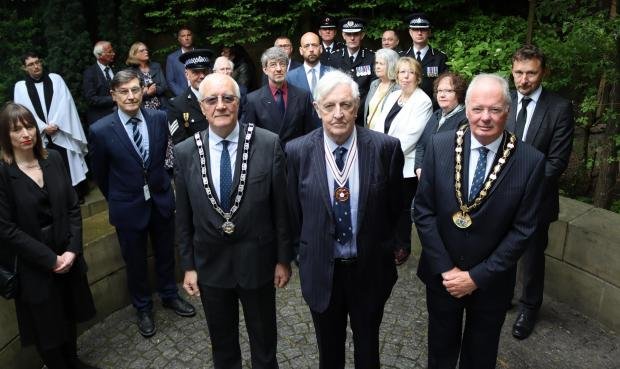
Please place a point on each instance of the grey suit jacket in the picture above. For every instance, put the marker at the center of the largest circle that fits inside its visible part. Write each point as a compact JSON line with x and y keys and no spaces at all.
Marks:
{"x":262,"y":237}
{"x":371,"y":91}
{"x":550,"y":131}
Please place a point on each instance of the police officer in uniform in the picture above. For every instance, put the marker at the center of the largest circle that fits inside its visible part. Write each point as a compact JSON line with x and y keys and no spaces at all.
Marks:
{"x":355,"y":60}
{"x":329,"y":45}
{"x":433,"y":61}
{"x":184,"y":116}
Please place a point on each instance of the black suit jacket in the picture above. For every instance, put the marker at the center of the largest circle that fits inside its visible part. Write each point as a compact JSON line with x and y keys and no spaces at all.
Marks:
{"x":433,"y":64}
{"x":196,"y":121}
{"x":380,"y":161}
{"x":261,"y":109}
{"x":502,"y":226}
{"x":96,"y":92}
{"x":262,"y":237}
{"x":450,"y":124}
{"x":21,"y":233}
{"x":550,"y":131}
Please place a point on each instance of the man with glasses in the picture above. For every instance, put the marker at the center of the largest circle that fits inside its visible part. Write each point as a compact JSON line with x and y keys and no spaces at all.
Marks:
{"x":96,"y":83}
{"x":285,"y":44}
{"x":225,"y":66}
{"x":48,"y":98}
{"x":233,"y":225}
{"x":279,"y":106}
{"x":128,"y":149}
{"x":184,"y":116}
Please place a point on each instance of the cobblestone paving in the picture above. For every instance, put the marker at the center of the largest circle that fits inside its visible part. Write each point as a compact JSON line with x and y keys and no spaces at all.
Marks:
{"x":562,"y":339}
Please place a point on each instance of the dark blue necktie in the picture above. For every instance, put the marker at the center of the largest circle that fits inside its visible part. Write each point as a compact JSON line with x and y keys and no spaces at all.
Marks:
{"x":280,"y":101}
{"x":137,"y":138}
{"x":342,"y":209}
{"x":479,"y":174}
{"x":225,"y":177}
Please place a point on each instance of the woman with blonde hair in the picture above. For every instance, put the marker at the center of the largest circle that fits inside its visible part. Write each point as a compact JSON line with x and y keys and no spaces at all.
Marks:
{"x":151,"y":75}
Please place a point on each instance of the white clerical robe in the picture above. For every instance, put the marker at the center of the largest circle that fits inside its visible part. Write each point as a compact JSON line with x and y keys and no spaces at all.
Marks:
{"x":63,"y":113}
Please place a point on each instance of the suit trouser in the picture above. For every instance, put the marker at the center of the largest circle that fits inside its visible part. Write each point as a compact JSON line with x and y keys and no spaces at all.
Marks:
{"x":134,"y":250}
{"x":403,"y":227}
{"x":348,"y":299}
{"x":477,"y":344}
{"x":533,"y":269}
{"x":221,"y":307}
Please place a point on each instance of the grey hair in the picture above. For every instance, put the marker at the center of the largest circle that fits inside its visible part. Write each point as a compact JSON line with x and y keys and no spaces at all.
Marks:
{"x":222,"y":59}
{"x":125,"y":76}
{"x":391,"y":57}
{"x":273,"y":53}
{"x":98,"y":49}
{"x":485,"y":77}
{"x":330,"y":80}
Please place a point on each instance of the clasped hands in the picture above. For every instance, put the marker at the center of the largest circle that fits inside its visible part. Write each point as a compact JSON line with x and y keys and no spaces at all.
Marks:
{"x":64,"y":262}
{"x":458,"y":283}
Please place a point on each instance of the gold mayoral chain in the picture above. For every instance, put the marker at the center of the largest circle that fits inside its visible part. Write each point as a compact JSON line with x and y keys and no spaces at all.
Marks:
{"x":461,"y":218}
{"x":228,"y":226}
{"x":342,"y":193}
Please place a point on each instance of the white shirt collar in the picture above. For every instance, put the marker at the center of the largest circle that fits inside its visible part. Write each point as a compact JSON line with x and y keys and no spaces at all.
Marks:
{"x":317,"y":67}
{"x":232,"y":137}
{"x":534,"y":95}
{"x":493,"y":146}
{"x":333,"y":145}
{"x":124,"y":117}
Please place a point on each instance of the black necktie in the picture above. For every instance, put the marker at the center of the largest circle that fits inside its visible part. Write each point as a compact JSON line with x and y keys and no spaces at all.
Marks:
{"x":106,"y":71}
{"x":352,"y":58}
{"x":328,"y":49}
{"x":137,"y":138}
{"x":280,"y":101}
{"x":225,"y":177}
{"x":479,"y":174}
{"x":418,"y":57}
{"x":522,"y":117}
{"x":342,"y":209}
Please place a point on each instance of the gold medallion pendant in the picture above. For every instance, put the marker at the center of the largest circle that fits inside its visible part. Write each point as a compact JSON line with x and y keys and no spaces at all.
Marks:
{"x":461,"y":219}
{"x":342,"y":194}
{"x":228,"y":227}
{"x":186,"y":119}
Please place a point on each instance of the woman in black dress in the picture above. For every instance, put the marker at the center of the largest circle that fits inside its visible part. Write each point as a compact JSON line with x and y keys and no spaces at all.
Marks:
{"x":41,"y":225}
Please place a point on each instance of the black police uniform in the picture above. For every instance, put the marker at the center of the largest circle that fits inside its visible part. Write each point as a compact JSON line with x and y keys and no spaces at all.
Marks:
{"x":185,"y":117}
{"x":433,"y":64}
{"x":326,"y":56}
{"x":361,"y":70}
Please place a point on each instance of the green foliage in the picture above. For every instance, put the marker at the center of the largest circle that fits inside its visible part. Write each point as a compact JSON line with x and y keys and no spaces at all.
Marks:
{"x":481,"y":44}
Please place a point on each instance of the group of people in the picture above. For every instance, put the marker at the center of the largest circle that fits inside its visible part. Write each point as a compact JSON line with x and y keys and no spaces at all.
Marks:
{"x":326,"y":164}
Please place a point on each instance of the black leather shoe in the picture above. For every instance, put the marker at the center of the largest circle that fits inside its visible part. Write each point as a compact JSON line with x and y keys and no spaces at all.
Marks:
{"x":524,"y":325}
{"x":79,"y":364}
{"x":146,"y":324}
{"x":180,"y":307}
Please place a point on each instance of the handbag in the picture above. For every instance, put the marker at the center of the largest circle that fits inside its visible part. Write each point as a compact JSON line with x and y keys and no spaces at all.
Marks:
{"x":8,"y":281}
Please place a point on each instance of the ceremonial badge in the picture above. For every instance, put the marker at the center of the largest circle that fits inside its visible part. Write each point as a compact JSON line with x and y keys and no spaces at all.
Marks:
{"x":186,"y":119}
{"x":342,"y":194}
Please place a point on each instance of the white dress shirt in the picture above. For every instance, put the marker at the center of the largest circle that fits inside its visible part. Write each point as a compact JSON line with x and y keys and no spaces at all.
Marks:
{"x":531,"y":106}
{"x":474,"y":154}
{"x":215,"y":153}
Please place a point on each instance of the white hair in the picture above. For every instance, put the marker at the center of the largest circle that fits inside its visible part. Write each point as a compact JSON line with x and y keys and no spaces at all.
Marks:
{"x":484,"y":78}
{"x":330,"y":80}
{"x":98,"y":49}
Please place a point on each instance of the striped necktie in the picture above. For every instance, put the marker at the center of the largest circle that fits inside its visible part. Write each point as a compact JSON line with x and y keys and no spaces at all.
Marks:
{"x":137,"y":138}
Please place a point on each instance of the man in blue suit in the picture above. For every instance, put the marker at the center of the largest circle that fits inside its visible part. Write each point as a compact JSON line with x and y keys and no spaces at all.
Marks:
{"x":128,"y":149}
{"x":308,"y":74}
{"x":344,"y":185}
{"x":475,"y":210}
{"x":175,"y":69}
{"x":279,"y":106}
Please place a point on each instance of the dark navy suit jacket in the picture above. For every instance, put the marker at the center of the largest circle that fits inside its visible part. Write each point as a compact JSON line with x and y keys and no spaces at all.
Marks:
{"x":380,"y":161}
{"x":490,"y":248}
{"x":175,"y":73}
{"x":96,"y":92}
{"x":120,"y":175}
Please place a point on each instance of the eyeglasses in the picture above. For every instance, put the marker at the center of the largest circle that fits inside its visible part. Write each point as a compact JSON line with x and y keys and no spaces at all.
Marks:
{"x":285,"y":46}
{"x":274,"y":65}
{"x":125,"y":92}
{"x":34,"y":63}
{"x":213,"y":100}
{"x":494,"y":110}
{"x":445,"y":92}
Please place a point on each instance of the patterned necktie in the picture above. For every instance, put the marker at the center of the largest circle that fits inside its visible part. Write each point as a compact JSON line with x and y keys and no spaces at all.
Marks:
{"x":479,"y":174}
{"x":328,"y":50}
{"x":280,"y":101}
{"x":106,"y":71}
{"x":225,"y":177}
{"x":137,"y":138}
{"x":342,"y":209}
{"x":522,"y":118}
{"x":313,"y":80}
{"x":418,"y":57}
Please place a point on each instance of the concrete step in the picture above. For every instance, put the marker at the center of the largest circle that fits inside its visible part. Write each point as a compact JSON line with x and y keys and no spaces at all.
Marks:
{"x":94,"y":203}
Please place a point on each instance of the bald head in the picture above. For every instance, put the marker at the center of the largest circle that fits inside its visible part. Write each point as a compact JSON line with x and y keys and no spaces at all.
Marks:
{"x":220,"y":103}
{"x":310,"y":48}
{"x":215,"y":80}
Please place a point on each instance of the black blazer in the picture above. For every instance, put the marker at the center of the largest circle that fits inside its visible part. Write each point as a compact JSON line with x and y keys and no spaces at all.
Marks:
{"x":196,"y":121}
{"x":502,"y":226}
{"x":380,"y":161}
{"x":451,"y":124}
{"x":20,"y":230}
{"x":96,"y":92}
{"x":298,"y":120}
{"x":551,"y":132}
{"x":262,"y":237}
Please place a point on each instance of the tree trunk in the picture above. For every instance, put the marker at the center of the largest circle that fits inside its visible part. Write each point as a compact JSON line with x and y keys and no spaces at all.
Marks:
{"x":608,"y":158}
{"x":530,"y":21}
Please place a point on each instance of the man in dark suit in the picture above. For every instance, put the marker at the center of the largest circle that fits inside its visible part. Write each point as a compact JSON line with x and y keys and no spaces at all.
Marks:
{"x":128,"y":148}
{"x":307,"y":76}
{"x":545,"y":121}
{"x":279,"y":106}
{"x":225,"y":66}
{"x":327,"y":32}
{"x":344,"y":185}
{"x":96,"y":83}
{"x":175,"y":69}
{"x":285,"y":44}
{"x":184,"y":116}
{"x":471,"y":241}
{"x":433,"y":61}
{"x":234,"y":239}
{"x":355,"y":60}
